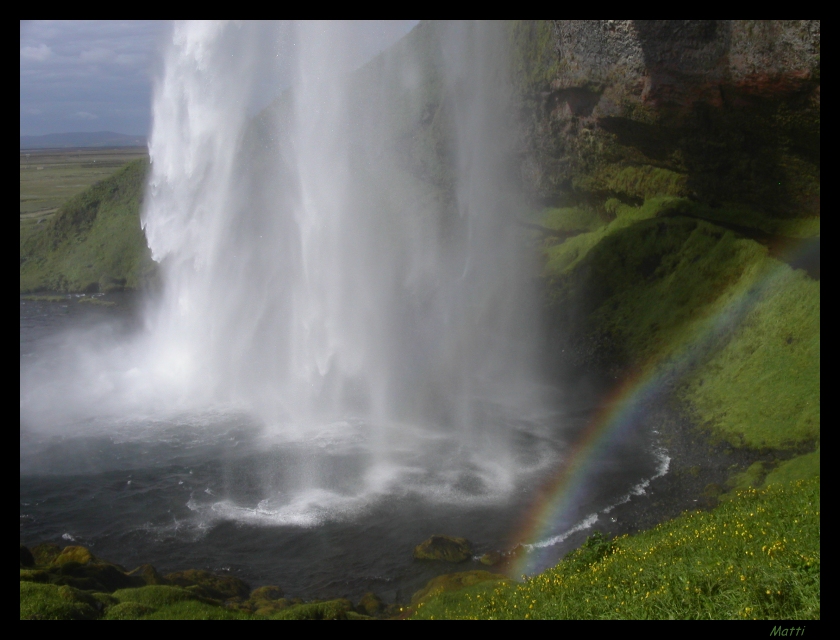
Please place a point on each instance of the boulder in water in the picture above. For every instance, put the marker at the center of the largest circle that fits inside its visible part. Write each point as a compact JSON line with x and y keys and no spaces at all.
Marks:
{"x":370,"y":604}
{"x":268,"y":592}
{"x":339,"y":609}
{"x":149,"y":574}
{"x":491,"y":558}
{"x":266,"y":600}
{"x":446,"y":548}
{"x":74,"y":553}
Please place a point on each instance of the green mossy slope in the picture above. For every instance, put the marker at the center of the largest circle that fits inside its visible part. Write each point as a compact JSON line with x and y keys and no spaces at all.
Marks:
{"x":755,"y":556}
{"x":93,"y":243}
{"x":659,"y":292}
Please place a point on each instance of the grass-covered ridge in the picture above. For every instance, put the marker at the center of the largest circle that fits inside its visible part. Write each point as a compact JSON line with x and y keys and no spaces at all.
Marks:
{"x":94,"y":241}
{"x":755,"y":556}
{"x":657,"y":288}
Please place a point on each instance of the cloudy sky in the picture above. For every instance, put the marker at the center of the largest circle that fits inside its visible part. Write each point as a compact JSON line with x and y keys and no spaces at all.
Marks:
{"x":98,"y":75}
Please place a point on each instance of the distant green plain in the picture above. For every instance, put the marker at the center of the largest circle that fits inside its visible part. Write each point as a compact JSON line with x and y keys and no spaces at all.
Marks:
{"x":50,"y":177}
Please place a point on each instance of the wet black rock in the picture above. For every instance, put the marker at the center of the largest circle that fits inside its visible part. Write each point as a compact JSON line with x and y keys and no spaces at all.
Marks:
{"x":446,"y":548}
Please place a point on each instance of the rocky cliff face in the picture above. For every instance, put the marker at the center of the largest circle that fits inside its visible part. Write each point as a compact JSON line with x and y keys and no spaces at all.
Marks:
{"x":676,"y":165}
{"x":719,"y":111}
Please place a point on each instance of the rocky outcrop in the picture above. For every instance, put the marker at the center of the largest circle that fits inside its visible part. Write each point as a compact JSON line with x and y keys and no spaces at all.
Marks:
{"x":209,"y":584}
{"x":446,"y":548}
{"x":718,"y":110}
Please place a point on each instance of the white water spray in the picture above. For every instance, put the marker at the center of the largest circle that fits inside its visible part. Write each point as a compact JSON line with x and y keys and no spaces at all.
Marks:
{"x":343,"y":265}
{"x":310,"y":268}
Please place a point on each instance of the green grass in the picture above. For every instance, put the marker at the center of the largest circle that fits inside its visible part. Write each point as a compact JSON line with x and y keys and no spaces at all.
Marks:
{"x":329,"y":610}
{"x":635,"y":181}
{"x":804,"y":466}
{"x":48,"y":178}
{"x":94,"y":242}
{"x":740,"y":329}
{"x":163,"y":602}
{"x":762,"y":387}
{"x":563,"y":257}
{"x":196,"y":611}
{"x":571,"y":219}
{"x":52,"y":602}
{"x":755,"y":556}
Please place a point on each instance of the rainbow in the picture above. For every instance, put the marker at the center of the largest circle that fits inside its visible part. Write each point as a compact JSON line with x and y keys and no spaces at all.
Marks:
{"x":547,"y":521}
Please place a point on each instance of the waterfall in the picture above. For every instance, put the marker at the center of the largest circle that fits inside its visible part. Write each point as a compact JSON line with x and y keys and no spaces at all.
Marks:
{"x":340,"y":269}
{"x":351,"y":248}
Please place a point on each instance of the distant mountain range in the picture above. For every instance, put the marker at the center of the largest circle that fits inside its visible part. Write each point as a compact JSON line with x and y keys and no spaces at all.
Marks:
{"x":94,"y":139}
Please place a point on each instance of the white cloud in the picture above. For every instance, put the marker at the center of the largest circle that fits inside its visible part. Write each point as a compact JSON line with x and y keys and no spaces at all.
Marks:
{"x":129,"y":58}
{"x":96,"y":55}
{"x":39,"y":53}
{"x":85,"y":115}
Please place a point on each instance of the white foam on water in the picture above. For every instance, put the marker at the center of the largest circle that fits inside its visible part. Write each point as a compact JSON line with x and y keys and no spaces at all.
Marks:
{"x":664,"y":463}
{"x":584,"y":524}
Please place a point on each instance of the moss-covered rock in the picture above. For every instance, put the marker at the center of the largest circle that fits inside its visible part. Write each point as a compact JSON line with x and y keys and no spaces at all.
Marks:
{"x":53,"y":602}
{"x":267,"y":592}
{"x":77,"y":567}
{"x":155,"y":595}
{"x":34,"y":575}
{"x":128,"y":611}
{"x":93,"y":576}
{"x":197,"y":610}
{"x":370,"y":604}
{"x":45,"y":553}
{"x":446,"y":548}
{"x":209,"y":584}
{"x":491,"y":558}
{"x":265,"y":601}
{"x":26,"y":557}
{"x":149,"y":574}
{"x":267,"y":607}
{"x":76,"y":554}
{"x":340,"y":609}
{"x":105,"y":599}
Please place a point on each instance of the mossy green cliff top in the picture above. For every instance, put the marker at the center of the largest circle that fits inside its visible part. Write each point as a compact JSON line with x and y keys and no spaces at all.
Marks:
{"x":93,"y":243}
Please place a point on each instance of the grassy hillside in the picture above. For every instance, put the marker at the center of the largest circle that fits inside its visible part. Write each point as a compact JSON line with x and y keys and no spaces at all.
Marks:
{"x":736,"y":328}
{"x":93,"y":243}
{"x":49,"y":177}
{"x":755,"y":556}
